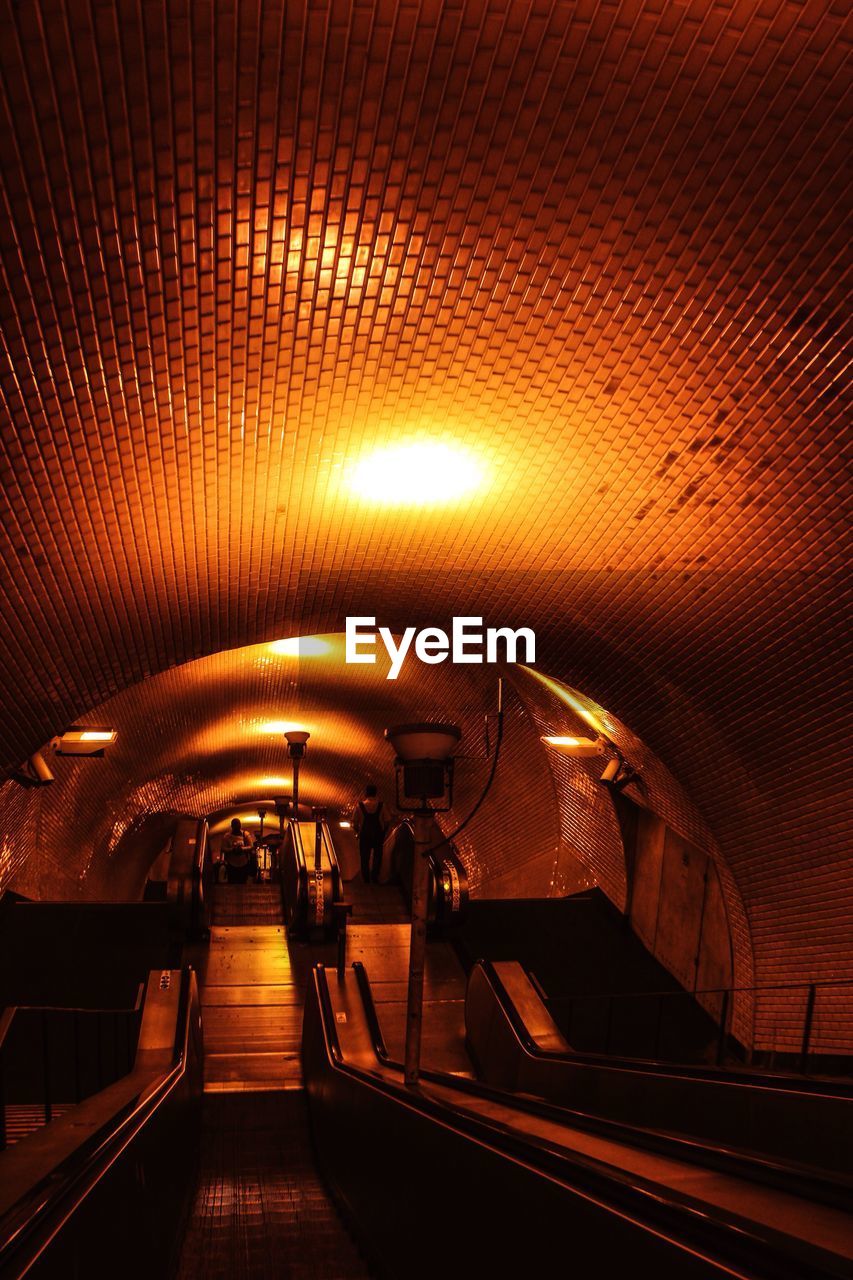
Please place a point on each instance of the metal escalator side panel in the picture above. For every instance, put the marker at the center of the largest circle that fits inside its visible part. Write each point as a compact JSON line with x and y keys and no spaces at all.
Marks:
{"x":387,"y":1153}
{"x":117,"y":1169}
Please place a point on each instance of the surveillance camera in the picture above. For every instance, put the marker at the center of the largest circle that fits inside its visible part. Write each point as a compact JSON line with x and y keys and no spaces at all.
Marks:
{"x":34,"y":772}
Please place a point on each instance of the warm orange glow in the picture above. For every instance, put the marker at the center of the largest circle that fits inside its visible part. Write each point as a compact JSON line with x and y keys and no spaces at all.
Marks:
{"x":97,"y":735}
{"x":301,"y":647}
{"x":281,"y":726}
{"x":425,"y":473}
{"x":566,"y":696}
{"x":579,"y":747}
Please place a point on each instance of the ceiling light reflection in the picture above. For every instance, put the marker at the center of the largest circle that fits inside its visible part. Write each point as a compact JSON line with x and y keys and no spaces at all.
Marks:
{"x":428,"y":473}
{"x":301,"y":647}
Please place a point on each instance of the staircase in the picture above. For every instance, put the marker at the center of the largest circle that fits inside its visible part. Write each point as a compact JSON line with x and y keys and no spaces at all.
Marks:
{"x":251,"y":998}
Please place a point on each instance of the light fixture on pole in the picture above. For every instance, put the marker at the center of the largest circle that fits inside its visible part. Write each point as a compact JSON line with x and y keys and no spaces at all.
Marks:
{"x":296,"y":748}
{"x":424,"y":767}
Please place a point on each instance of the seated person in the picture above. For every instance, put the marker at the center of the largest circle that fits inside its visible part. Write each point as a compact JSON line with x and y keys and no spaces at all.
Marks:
{"x":238,"y":852}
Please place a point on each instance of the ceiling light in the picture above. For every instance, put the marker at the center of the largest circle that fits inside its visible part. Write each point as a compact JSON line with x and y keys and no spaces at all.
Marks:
{"x":301,"y":647}
{"x":423,"y":755}
{"x":84,"y":740}
{"x":426,"y":474}
{"x":277,"y":726}
{"x":580,"y":748}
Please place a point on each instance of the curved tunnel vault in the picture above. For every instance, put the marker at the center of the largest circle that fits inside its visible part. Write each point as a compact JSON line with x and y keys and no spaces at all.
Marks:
{"x":207,"y":737}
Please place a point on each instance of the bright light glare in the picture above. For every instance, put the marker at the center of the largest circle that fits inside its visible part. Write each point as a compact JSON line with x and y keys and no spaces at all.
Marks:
{"x":565,"y":695}
{"x":345,"y":825}
{"x":97,"y":735}
{"x":420,"y":475}
{"x":565,"y":742}
{"x":279,"y":726}
{"x":273,"y":782}
{"x":301,"y":647}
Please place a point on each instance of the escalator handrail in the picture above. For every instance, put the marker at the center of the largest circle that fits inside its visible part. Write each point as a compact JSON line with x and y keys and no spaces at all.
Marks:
{"x":436,"y":857}
{"x":202,"y":871}
{"x":653,"y":1208}
{"x":720,"y":1075}
{"x":798,"y":1179}
{"x":31,"y":1223}
{"x":298,"y":848}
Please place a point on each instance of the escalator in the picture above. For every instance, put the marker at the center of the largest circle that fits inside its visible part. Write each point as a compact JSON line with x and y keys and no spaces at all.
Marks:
{"x":515,"y":1045}
{"x":292,"y":1148}
{"x":311,"y":880}
{"x":535,"y":1186}
{"x":197,"y":1161}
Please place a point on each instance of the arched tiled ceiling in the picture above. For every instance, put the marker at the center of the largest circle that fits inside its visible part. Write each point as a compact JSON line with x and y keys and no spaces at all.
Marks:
{"x":207,"y":737}
{"x":603,"y":245}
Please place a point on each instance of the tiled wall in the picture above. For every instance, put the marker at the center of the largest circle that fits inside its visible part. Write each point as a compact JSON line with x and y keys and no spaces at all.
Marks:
{"x":604,"y":246}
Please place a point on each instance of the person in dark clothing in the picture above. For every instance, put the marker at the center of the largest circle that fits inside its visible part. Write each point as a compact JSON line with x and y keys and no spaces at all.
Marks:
{"x":370,"y":824}
{"x":238,"y":853}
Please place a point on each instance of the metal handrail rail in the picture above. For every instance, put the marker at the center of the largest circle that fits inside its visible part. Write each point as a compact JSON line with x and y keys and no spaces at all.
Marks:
{"x":719,"y":1234}
{"x":755,"y":1079}
{"x":27,"y":1225}
{"x":708,"y":991}
{"x":834,"y":1190}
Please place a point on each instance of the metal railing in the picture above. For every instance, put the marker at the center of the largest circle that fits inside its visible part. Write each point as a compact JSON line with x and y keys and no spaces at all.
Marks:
{"x":797,"y":1026}
{"x":52,"y":1058}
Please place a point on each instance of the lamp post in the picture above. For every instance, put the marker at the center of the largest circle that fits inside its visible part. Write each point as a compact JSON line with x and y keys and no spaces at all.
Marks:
{"x":296,"y":748}
{"x":423,"y":756}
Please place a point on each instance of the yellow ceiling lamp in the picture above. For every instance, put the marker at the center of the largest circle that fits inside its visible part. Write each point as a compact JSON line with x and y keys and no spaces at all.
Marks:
{"x":425,"y":473}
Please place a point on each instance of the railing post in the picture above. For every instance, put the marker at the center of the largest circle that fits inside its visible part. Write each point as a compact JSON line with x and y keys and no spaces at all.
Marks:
{"x":2,"y":1100}
{"x":722,"y":1034}
{"x":807,"y":1029}
{"x":76,"y":1041}
{"x":45,"y":1056}
{"x":342,"y":948}
{"x":340,"y":913}
{"x":659,"y":1019}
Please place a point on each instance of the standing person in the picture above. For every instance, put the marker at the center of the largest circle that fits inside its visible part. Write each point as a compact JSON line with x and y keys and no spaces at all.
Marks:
{"x":237,"y":852}
{"x":370,"y":824}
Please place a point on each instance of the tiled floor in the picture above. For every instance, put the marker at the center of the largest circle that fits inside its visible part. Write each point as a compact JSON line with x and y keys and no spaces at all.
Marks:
{"x":261,"y":1211}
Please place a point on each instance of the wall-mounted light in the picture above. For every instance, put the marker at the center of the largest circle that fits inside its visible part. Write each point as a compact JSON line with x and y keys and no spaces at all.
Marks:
{"x":84,"y":740}
{"x":580,"y":748}
{"x":345,"y":825}
{"x":618,"y":773}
